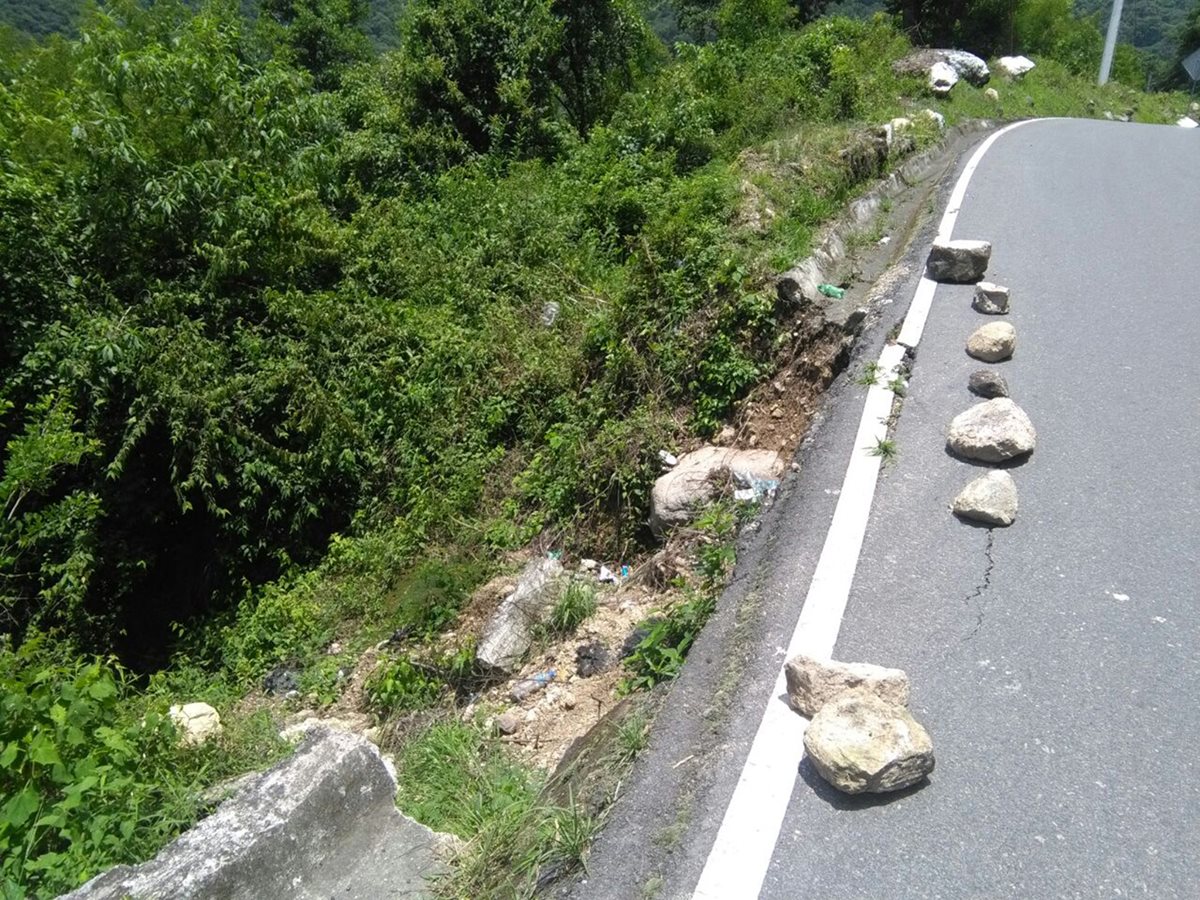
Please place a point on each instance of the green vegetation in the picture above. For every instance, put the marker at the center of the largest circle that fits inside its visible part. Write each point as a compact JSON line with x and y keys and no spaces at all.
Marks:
{"x":279,"y":366}
{"x":574,"y":607}
{"x":884,"y":448}
{"x":453,"y":778}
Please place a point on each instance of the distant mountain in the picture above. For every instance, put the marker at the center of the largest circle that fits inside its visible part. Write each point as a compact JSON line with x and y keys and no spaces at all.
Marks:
{"x":1149,"y":25}
{"x":42,"y":17}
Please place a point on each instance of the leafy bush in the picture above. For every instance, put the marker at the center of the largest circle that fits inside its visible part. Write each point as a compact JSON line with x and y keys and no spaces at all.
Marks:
{"x":400,"y":686}
{"x":83,"y":784}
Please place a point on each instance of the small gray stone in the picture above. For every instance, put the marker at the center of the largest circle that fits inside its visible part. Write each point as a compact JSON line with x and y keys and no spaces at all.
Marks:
{"x":509,"y":722}
{"x":958,"y":262}
{"x":990,"y":299}
{"x":992,"y":342}
{"x":811,"y":683}
{"x":942,"y":78}
{"x":859,"y":743}
{"x":992,"y":431}
{"x":991,"y":498}
{"x":988,"y":383}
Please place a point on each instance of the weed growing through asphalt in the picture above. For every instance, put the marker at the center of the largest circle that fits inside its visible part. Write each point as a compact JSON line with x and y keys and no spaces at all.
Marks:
{"x":885,"y":449}
{"x":898,"y":386}
{"x":868,"y":375}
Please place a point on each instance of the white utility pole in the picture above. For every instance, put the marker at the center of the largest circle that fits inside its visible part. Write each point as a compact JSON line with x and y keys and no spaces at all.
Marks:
{"x":1110,"y":42}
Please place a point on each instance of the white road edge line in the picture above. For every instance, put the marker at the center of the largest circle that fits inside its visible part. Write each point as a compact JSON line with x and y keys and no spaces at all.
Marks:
{"x":737,"y":864}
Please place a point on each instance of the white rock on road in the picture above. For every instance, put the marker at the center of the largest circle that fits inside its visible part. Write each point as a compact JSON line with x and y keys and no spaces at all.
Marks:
{"x":990,"y":299}
{"x":992,"y":431}
{"x":811,"y":683}
{"x":861,"y":744}
{"x":958,"y":262}
{"x":991,"y":499}
{"x":993,"y":342}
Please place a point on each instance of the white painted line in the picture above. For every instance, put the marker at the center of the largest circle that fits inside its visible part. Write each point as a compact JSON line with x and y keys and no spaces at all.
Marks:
{"x":745,"y":843}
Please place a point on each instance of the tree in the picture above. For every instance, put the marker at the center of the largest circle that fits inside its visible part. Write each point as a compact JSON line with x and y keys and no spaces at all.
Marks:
{"x":322,"y":36}
{"x":603,"y":47}
{"x":982,"y":26}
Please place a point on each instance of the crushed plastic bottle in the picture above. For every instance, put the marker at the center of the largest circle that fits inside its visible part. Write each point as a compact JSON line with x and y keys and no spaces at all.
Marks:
{"x":832,"y":291}
{"x":527,"y":686}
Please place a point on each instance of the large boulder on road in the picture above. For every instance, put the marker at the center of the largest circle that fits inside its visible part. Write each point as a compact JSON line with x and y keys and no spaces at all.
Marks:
{"x":811,"y":682}
{"x":993,"y":431}
{"x":860,"y":743}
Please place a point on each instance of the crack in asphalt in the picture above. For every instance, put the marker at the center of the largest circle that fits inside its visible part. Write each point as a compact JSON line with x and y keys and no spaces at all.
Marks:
{"x":976,"y":597}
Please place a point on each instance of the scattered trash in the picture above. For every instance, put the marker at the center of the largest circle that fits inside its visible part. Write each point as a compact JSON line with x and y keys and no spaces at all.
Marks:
{"x":624,"y":571}
{"x":591,"y":659}
{"x":606,"y":576}
{"x":750,"y":489}
{"x":668,"y":459}
{"x":885,"y":240}
{"x":281,"y":680}
{"x":532,"y":685}
{"x":550,"y":313}
{"x":832,"y":291}
{"x":588,"y":565}
{"x":554,"y":554}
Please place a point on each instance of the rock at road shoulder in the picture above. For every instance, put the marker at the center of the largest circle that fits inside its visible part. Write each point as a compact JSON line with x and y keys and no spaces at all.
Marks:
{"x":991,"y":499}
{"x":964,"y":65}
{"x":992,"y":431}
{"x":508,"y":634}
{"x":811,"y":683}
{"x":990,"y":299}
{"x":321,"y":824}
{"x":988,"y":383}
{"x":942,"y":78}
{"x":958,"y":262}
{"x":993,"y":342}
{"x":697,"y":480}
{"x":862,"y":744}
{"x":1015,"y":66}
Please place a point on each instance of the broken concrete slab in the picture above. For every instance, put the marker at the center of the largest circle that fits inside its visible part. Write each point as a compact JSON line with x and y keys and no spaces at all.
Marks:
{"x":321,"y":824}
{"x":992,"y":431}
{"x":811,"y":683}
{"x":697,"y":480}
{"x":990,"y":299}
{"x":958,"y":262}
{"x":993,"y":342}
{"x":862,"y":744}
{"x":508,"y":634}
{"x":991,"y":499}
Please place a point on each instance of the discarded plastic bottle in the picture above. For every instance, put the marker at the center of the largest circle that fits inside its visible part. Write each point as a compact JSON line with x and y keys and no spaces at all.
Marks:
{"x":832,"y":290}
{"x":532,"y":685}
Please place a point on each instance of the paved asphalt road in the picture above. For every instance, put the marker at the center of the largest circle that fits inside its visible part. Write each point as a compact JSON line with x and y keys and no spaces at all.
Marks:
{"x":1056,"y":663}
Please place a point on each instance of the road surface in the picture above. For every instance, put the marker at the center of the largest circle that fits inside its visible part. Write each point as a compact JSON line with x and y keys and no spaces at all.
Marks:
{"x":1057,"y":662}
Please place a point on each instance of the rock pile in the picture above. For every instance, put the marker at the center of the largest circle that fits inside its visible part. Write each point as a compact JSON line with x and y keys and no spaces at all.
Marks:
{"x":862,"y":738}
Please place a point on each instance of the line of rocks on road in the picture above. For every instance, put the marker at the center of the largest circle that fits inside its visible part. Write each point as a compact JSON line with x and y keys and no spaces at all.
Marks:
{"x":996,"y":430}
{"x":861,"y":736}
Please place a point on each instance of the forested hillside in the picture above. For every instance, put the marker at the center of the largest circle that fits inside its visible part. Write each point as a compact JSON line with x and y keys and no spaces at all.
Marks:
{"x":301,"y":344}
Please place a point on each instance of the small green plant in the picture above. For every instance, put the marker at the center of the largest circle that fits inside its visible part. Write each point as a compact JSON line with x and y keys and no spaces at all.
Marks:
{"x":576,"y":605}
{"x":885,"y":449}
{"x":403,"y":686}
{"x":633,"y":735}
{"x":898,"y":386}
{"x":869,"y":374}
